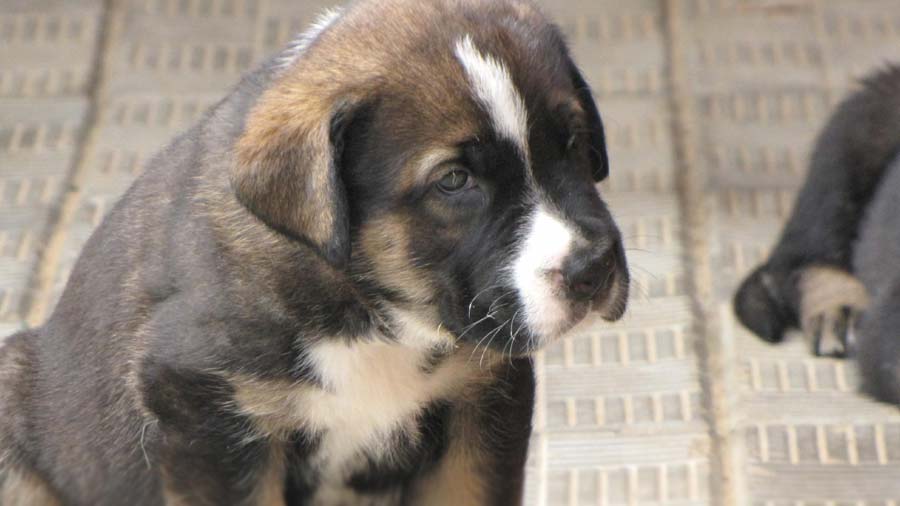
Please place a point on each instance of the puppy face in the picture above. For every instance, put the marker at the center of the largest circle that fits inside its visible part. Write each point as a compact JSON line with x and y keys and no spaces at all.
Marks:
{"x":445,"y":155}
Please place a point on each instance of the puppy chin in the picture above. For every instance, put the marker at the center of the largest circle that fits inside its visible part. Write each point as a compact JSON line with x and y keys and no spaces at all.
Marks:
{"x":612,"y":305}
{"x":578,"y":317}
{"x":553,"y":330}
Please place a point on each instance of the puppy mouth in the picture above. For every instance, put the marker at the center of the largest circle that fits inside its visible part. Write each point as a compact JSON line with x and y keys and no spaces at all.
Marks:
{"x":610,"y":304}
{"x":613,"y":302}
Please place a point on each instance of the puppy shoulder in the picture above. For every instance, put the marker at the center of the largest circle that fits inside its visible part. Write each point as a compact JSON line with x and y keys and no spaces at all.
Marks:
{"x":17,"y":367}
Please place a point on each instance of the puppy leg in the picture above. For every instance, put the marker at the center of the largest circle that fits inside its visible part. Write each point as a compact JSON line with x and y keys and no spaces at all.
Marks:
{"x":879,"y":346}
{"x":831,"y":301}
{"x":459,"y":476}
{"x":19,"y":486}
{"x":207,"y":453}
{"x":848,"y":162}
{"x":484,"y":462}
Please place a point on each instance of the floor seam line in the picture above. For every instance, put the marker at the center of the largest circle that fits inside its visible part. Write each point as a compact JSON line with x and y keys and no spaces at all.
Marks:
{"x":41,"y":280}
{"x":725,"y":481}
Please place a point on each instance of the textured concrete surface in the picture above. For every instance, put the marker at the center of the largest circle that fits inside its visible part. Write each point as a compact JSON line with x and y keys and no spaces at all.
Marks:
{"x":711,"y":106}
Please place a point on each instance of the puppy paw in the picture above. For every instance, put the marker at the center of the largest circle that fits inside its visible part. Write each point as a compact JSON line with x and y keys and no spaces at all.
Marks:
{"x":831,"y":302}
{"x":831,"y":333}
{"x":760,"y":306}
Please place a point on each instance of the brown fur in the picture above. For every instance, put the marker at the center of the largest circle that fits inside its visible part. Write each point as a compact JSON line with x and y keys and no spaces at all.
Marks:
{"x":210,"y":316}
{"x":458,"y":479}
{"x":22,"y":488}
{"x":385,"y":242}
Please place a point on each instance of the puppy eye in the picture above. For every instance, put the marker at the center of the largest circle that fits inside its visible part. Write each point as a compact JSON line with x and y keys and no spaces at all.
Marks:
{"x":455,"y":181}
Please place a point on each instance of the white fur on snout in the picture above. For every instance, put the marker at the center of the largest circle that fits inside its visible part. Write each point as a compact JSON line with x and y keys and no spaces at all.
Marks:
{"x":546,"y":243}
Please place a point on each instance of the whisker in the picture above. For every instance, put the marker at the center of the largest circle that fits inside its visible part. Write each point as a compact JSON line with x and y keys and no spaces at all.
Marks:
{"x":641,"y":236}
{"x":495,"y":332}
{"x":643,"y":292}
{"x":503,"y":351}
{"x":513,"y":322}
{"x":644,"y":270}
{"x":512,"y":335}
{"x":498,"y":299}
{"x":471,"y":326}
{"x":475,"y":350}
{"x":496,"y":285}
{"x":642,"y":250}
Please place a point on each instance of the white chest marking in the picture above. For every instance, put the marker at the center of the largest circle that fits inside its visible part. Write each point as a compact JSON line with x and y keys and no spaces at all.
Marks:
{"x":371,"y":389}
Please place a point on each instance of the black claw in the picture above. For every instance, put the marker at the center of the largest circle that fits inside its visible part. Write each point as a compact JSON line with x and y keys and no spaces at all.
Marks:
{"x":832,"y":338}
{"x":818,"y":324}
{"x":842,"y":324}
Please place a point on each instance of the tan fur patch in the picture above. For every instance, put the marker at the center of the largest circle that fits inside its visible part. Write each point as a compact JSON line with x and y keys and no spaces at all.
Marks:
{"x":22,"y":488}
{"x":270,"y":489}
{"x":825,"y":288}
{"x":385,"y":242}
{"x":423,"y":167}
{"x":170,"y":497}
{"x":459,"y":476}
{"x":271,"y":403}
{"x":288,"y":132}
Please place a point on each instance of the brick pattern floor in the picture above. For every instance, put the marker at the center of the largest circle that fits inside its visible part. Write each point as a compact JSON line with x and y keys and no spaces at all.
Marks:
{"x":711,"y":107}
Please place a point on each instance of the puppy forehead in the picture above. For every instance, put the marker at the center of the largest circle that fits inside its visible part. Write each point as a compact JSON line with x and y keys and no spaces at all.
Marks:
{"x":495,"y":91}
{"x":485,"y":81}
{"x":458,"y":69}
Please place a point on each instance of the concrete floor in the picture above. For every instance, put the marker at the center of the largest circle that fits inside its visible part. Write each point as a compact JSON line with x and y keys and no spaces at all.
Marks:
{"x":711,"y":107}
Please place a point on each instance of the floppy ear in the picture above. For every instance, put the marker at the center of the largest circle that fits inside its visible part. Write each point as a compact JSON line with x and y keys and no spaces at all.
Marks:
{"x":596,"y":134}
{"x":287,"y":172}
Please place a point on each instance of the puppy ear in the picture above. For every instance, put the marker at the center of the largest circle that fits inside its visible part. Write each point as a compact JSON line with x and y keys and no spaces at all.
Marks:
{"x":287,"y":172}
{"x":596,"y":134}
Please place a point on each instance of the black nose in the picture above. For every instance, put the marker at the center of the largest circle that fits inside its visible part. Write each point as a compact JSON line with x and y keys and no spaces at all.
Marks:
{"x":590,"y":271}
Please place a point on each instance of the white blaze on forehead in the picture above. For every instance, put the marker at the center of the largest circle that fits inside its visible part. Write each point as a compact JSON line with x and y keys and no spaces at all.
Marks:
{"x":495,"y":91}
{"x":298,"y":46}
{"x":546,"y":243}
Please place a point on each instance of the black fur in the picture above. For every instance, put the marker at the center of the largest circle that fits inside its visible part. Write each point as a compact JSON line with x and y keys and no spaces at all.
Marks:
{"x":846,"y":188}
{"x":209,"y":275}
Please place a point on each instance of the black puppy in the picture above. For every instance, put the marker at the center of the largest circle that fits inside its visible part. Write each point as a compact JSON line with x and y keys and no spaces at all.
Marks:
{"x":326,"y":292}
{"x":835,"y":271}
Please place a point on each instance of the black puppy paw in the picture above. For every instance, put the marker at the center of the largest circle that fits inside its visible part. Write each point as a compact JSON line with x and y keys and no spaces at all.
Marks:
{"x":760,"y":306}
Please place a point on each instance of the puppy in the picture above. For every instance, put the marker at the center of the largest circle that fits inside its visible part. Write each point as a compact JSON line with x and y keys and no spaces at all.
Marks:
{"x":326,"y":292}
{"x":835,"y":272}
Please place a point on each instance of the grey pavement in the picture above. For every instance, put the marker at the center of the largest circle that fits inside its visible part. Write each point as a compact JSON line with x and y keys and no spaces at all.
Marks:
{"x":711,"y":107}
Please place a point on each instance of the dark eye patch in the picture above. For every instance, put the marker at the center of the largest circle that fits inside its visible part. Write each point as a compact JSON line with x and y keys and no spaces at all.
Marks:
{"x":495,"y":162}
